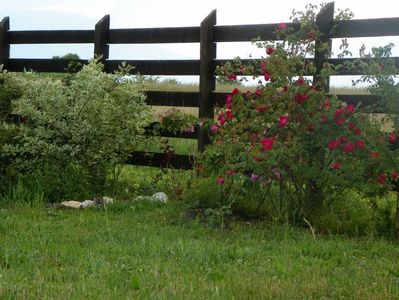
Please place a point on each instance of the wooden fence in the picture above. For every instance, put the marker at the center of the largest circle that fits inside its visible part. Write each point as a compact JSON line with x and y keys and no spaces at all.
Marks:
{"x":208,"y":34}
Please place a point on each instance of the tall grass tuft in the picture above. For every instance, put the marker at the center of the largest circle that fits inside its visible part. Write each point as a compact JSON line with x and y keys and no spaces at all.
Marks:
{"x":20,"y":195}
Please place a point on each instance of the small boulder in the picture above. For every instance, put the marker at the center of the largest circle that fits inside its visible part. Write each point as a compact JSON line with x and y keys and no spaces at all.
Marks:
{"x":88,"y":204}
{"x":160,"y":197}
{"x":107,"y":200}
{"x":70,"y":204}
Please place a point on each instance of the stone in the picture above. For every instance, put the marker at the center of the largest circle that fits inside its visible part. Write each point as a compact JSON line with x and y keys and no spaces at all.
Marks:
{"x":160,"y":197}
{"x":107,"y":200}
{"x":70,"y":204}
{"x":88,"y":204}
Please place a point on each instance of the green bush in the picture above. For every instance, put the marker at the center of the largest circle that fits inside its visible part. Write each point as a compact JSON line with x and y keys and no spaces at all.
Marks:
{"x":77,"y":134}
{"x":9,"y":91}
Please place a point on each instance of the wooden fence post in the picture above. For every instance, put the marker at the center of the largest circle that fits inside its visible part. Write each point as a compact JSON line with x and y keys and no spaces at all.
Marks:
{"x":207,"y":77}
{"x":324,"y":22}
{"x":4,"y":45}
{"x":101,"y":47}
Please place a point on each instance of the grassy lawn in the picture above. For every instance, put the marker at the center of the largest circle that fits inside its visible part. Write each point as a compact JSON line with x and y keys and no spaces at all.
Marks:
{"x":147,"y":251}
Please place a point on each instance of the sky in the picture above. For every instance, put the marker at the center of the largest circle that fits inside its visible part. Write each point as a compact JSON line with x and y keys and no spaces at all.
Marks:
{"x":83,"y":14}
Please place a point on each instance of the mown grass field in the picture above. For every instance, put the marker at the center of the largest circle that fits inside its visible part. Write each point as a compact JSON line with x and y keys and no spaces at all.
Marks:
{"x":148,"y":251}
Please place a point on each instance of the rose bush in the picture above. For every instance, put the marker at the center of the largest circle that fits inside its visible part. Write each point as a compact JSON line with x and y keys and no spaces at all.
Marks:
{"x":287,"y":142}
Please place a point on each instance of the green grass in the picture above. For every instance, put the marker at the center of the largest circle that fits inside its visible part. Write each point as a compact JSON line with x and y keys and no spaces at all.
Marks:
{"x":146,"y":251}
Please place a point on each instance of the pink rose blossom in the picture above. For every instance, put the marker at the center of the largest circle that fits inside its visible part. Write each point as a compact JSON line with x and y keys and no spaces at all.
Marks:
{"x":229,"y":115}
{"x":221,"y":119}
{"x":283,"y":121}
{"x":392,"y":137}
{"x":350,"y":109}
{"x":282,"y":26}
{"x":254,"y":177}
{"x":214,"y":128}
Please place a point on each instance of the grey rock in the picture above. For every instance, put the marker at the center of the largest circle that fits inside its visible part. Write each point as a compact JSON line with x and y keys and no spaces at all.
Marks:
{"x":107,"y":200}
{"x":160,"y":197}
{"x":88,"y":204}
{"x":70,"y":204}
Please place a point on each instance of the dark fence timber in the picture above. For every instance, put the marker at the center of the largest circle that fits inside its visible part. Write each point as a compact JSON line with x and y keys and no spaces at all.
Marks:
{"x":208,"y":34}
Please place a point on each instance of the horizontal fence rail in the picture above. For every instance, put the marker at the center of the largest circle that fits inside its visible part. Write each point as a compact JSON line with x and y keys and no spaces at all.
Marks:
{"x":208,"y":34}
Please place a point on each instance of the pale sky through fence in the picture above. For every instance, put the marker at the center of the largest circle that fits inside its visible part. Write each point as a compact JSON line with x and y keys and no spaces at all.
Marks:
{"x":73,"y":14}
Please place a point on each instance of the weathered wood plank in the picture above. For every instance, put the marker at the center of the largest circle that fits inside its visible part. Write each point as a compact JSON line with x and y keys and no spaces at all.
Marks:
{"x":155,"y":35}
{"x":158,"y":67}
{"x":366,"y":28}
{"x":186,"y":99}
{"x":101,"y":47}
{"x":176,"y":161}
{"x":245,"y":33}
{"x":207,"y":77}
{"x":324,"y":22}
{"x":51,"y":37}
{"x":4,"y":45}
{"x":40,"y":65}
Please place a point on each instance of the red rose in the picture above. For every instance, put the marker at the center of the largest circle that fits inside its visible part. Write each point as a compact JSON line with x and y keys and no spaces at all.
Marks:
{"x":267,"y":143}
{"x":261,"y":108}
{"x":336,"y":165}
{"x":334,"y":144}
{"x":349,"y":147}
{"x":300,"y":81}
{"x":283,"y":121}
{"x":232,"y":76}
{"x":230,"y":172}
{"x":392,"y":137}
{"x":350,"y":109}
{"x":375,"y":154}
{"x":311,"y":35}
{"x":357,"y":131}
{"x":360,"y":144}
{"x":229,"y":101}
{"x":327,"y":103}
{"x":221,"y":119}
{"x":235,"y":91}
{"x":301,"y":98}
{"x":382,"y":178}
